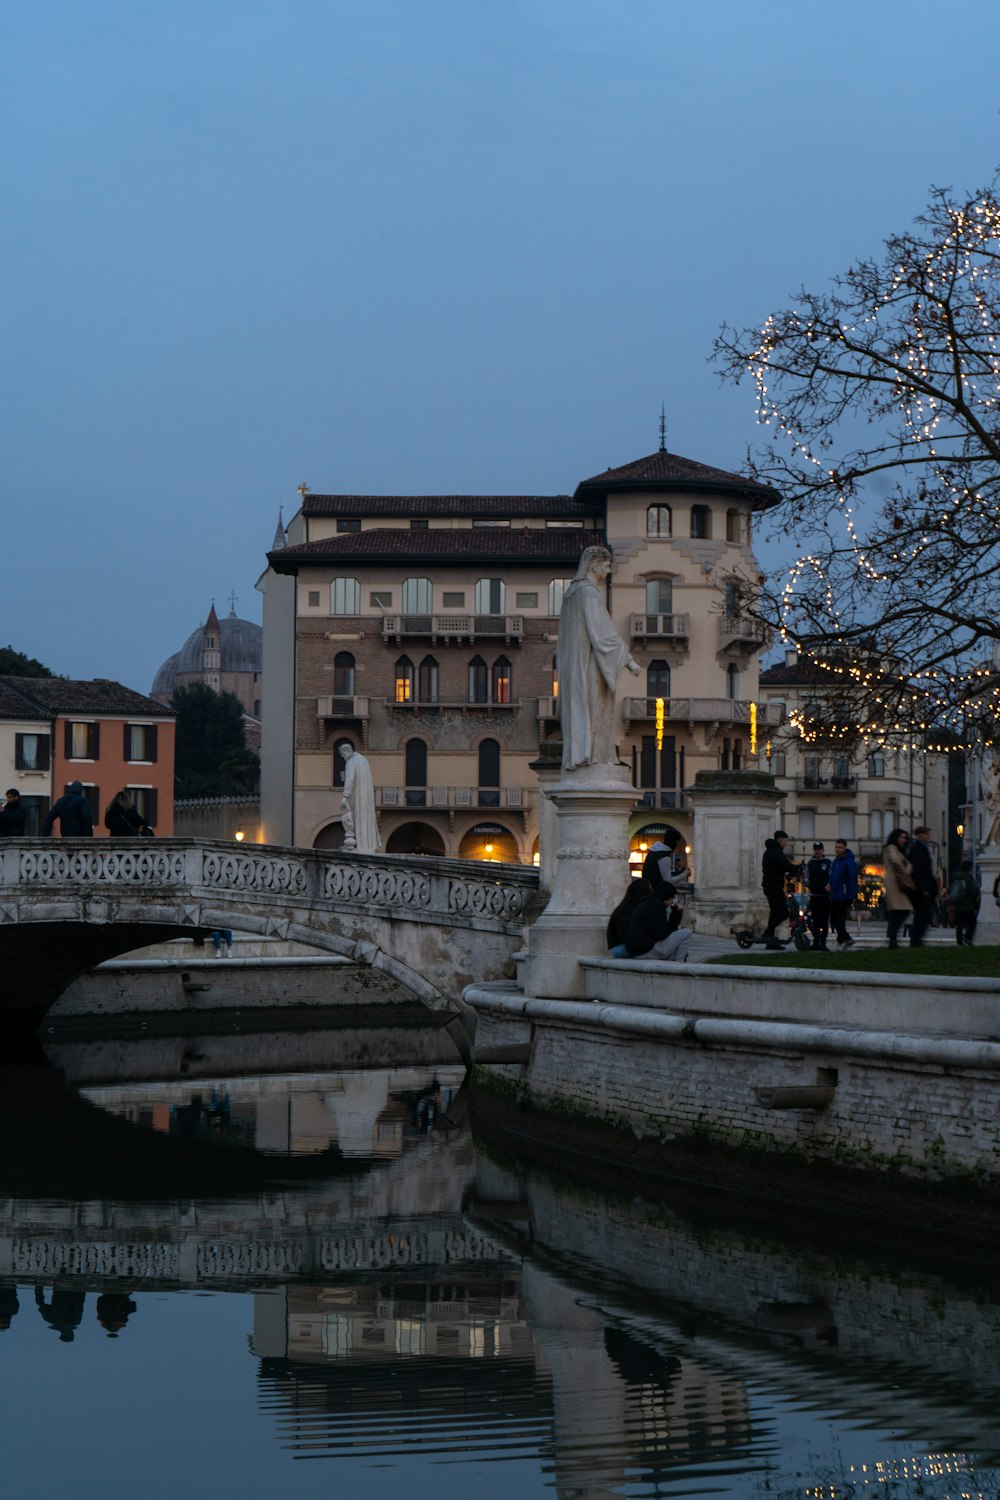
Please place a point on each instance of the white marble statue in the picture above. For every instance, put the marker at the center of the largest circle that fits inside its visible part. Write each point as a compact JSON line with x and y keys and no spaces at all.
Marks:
{"x":591,"y":657}
{"x":360,"y":827}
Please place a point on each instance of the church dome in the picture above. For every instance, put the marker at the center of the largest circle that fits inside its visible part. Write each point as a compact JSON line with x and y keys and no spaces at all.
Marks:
{"x":240,"y":650}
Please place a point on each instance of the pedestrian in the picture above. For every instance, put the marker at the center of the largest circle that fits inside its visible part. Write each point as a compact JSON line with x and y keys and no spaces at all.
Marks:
{"x":13,"y":817}
{"x":775,"y":870}
{"x":899,"y":884}
{"x":654,"y":929}
{"x":122,"y":818}
{"x":638,"y":890}
{"x":818,"y":885}
{"x":73,"y":812}
{"x":843,"y":892}
{"x":926,"y":887}
{"x":964,"y":895}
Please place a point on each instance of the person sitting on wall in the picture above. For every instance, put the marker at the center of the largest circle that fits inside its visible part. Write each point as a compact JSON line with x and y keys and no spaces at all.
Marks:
{"x":638,"y":890}
{"x":654,"y":929}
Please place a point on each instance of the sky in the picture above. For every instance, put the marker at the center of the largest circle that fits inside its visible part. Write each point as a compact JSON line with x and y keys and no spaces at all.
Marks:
{"x":411,"y":246}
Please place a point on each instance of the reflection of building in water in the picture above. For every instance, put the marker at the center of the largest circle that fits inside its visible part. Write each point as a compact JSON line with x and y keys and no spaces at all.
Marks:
{"x":483,"y":1343}
{"x":369,"y":1113}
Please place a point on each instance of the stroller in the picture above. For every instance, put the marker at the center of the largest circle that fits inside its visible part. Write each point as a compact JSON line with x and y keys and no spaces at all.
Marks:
{"x":799,"y":931}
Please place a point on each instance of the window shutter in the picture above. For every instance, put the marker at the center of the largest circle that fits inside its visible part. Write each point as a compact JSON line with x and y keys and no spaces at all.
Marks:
{"x":93,"y":796}
{"x":69,"y":739}
{"x":127,"y":739}
{"x":19,"y":752}
{"x":151,"y":748}
{"x":151,"y":806}
{"x":95,"y":741}
{"x":43,"y":752}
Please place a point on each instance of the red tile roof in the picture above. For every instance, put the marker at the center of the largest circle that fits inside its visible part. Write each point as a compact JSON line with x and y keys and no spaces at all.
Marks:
{"x":458,"y":545}
{"x":669,"y":471}
{"x":473,"y":506}
{"x":60,"y":695}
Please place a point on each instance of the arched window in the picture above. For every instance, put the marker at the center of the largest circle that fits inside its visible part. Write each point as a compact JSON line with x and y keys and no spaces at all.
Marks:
{"x":557,"y":589}
{"x":491,"y":595}
{"x":659,"y":596}
{"x":343,"y":675}
{"x":489,"y":774}
{"x":417,"y":596}
{"x":732,"y":681}
{"x":339,"y":764}
{"x":427,"y":681}
{"x":404,"y":680}
{"x":658,"y":520}
{"x":734,"y":526}
{"x":478,"y":681}
{"x":345,"y":596}
{"x":501,"y":680}
{"x":701,"y":522}
{"x":415,"y":754}
{"x":658,"y":680}
{"x":555,"y":677}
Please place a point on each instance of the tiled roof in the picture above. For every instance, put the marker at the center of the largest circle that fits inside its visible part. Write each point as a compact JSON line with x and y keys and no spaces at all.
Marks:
{"x":466,"y":544}
{"x":14,"y":706}
{"x":476,"y":506}
{"x":59,"y":695}
{"x":669,"y":471}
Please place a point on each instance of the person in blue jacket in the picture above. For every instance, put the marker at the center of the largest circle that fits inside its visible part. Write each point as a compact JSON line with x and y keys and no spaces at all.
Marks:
{"x":843,"y":892}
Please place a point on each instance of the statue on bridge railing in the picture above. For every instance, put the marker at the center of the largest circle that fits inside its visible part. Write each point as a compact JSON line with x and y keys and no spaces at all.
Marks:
{"x":360,"y":827}
{"x":591,"y":657}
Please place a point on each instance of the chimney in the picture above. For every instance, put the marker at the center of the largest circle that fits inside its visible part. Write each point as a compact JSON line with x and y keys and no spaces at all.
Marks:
{"x":791,"y":657}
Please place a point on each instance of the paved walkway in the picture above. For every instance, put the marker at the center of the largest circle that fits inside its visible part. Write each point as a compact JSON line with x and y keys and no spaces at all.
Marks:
{"x":867,"y":935}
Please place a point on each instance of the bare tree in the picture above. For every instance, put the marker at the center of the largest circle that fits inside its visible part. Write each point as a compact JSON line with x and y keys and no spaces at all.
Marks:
{"x":883,"y":399}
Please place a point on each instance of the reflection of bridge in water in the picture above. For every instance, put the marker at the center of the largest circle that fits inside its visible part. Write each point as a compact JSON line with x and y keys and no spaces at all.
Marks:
{"x":432,"y":926}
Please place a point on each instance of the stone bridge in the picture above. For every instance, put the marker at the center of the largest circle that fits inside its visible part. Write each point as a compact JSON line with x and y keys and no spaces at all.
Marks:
{"x":430,"y":925}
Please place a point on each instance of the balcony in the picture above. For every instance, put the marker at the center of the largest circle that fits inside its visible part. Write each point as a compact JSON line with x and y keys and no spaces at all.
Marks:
{"x":454,"y":798}
{"x":820,"y":784}
{"x":347,"y":707}
{"x":449,"y":705}
{"x":742,"y":632}
{"x":456,"y":627}
{"x":701,"y":711}
{"x":668,"y":798}
{"x":659,"y":627}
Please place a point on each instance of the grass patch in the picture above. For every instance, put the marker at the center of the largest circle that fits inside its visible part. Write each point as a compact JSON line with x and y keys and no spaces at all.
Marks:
{"x":963,"y":963}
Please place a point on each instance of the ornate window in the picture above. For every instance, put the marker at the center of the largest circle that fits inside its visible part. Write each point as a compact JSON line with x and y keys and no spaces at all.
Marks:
{"x":478,"y":681}
{"x":427,"y":681}
{"x":345,"y":596}
{"x":658,"y":680}
{"x":404,"y":680}
{"x":501,"y":680}
{"x":659,"y":521}
{"x":343,"y":675}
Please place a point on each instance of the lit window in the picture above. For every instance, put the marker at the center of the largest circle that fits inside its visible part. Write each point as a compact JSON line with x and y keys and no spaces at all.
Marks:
{"x":501,"y":680}
{"x":404,"y":680}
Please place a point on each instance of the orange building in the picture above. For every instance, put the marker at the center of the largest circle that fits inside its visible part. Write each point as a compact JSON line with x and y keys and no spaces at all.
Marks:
{"x":107,"y":737}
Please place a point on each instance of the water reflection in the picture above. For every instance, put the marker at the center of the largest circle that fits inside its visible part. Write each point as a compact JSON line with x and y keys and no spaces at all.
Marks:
{"x":422,"y":1315}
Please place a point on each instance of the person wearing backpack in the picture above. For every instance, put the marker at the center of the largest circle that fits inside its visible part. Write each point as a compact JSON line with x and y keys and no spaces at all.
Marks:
{"x":964,"y":894}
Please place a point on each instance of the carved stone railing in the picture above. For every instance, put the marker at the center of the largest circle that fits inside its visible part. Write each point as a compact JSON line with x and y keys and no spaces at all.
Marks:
{"x":399,"y":887}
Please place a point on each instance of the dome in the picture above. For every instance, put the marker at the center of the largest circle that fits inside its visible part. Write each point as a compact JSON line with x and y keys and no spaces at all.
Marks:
{"x":240,"y":650}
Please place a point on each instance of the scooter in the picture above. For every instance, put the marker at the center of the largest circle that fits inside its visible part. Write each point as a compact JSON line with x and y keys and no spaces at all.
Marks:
{"x":798,"y":930}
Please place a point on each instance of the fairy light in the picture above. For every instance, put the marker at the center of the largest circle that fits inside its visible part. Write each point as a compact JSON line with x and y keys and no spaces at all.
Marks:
{"x":660,"y":716}
{"x":753,"y":729}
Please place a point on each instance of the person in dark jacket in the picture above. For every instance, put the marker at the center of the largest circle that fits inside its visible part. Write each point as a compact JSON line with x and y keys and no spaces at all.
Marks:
{"x":775,"y":869}
{"x":964,"y":896}
{"x":122,"y":818}
{"x":654,"y":929}
{"x":843,"y":891}
{"x":659,"y":862}
{"x":818,"y":886}
{"x":638,"y":890}
{"x":73,"y":812}
{"x":13,"y":817}
{"x":923,"y":898}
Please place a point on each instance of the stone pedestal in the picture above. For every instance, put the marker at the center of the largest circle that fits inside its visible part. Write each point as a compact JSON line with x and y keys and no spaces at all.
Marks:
{"x":734,"y":812}
{"x":548,"y":769}
{"x":988,"y":925}
{"x":592,"y":807}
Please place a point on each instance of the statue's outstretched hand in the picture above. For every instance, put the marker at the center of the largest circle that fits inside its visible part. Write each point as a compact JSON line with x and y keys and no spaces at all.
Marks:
{"x":633,"y":667}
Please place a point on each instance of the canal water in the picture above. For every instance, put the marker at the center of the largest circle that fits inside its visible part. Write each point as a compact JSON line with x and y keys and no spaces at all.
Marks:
{"x":223,"y":1278}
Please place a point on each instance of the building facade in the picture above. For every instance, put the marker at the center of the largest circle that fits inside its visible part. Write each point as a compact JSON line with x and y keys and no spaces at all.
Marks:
{"x":54,"y":731}
{"x":423,"y":631}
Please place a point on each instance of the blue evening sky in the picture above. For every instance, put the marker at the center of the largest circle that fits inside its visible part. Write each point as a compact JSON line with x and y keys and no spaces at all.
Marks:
{"x":411,"y":246}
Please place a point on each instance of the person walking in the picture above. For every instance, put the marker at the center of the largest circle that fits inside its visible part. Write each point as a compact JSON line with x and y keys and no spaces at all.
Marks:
{"x":843,"y":892}
{"x":926,"y":886}
{"x":818,"y":885}
{"x":73,"y":812}
{"x":654,"y":929}
{"x":775,"y":869}
{"x":899,"y":884}
{"x":964,"y":895}
{"x":13,"y":817}
{"x":122,"y":818}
